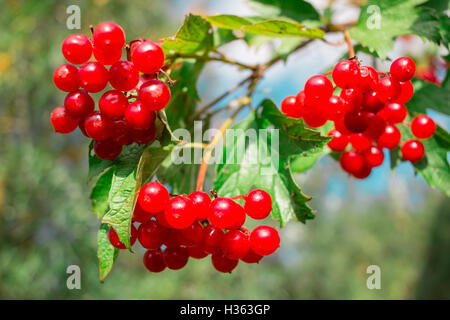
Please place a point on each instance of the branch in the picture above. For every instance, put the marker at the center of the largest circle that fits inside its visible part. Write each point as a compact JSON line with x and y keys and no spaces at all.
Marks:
{"x":351,"y":50}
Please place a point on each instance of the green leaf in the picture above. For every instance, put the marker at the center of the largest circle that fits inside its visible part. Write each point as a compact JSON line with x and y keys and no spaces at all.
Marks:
{"x":194,"y":36}
{"x":294,"y":9}
{"x":283,"y":28}
{"x":264,"y":161}
{"x":106,"y":253}
{"x":382,"y":20}
{"x":432,"y":25}
{"x":99,"y":193}
{"x":223,"y":36}
{"x":96,"y":165}
{"x":429,"y":96}
{"x":228,"y":21}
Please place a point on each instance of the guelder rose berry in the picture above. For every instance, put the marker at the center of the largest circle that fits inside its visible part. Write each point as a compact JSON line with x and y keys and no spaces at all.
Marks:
{"x":153,"y":197}
{"x":258,"y":204}
{"x":154,"y":94}
{"x":63,"y":122}
{"x":264,"y":240}
{"x":115,"y":241}
{"x":413,"y":150}
{"x":148,"y":57}
{"x":77,"y":48}
{"x":423,"y":127}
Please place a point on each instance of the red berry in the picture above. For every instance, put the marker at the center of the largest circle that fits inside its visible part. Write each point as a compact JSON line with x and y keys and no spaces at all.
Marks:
{"x":368,"y":79}
{"x":318,"y":87}
{"x":108,"y":36}
{"x":154,"y":94}
{"x":373,"y":156}
{"x":112,"y":104}
{"x":423,"y":127}
{"x":413,"y":150}
{"x":197,"y":252}
{"x":314,"y":118}
{"x":346,"y":74}
{"x":356,"y":122}
{"x":153,"y":197}
{"x":264,"y":240}
{"x":161,"y":219}
{"x":360,"y":141}
{"x":339,"y":124}
{"x":351,"y":161}
{"x":388,"y":89}
{"x":154,"y":260}
{"x":239,"y":217}
{"x":200,"y":204}
{"x":364,"y":172}
{"x":65,"y":78}
{"x":221,"y":212}
{"x":81,"y":126}
{"x":172,"y":238}
{"x":403,"y":69}
{"x":192,"y":235}
{"x":390,"y":137}
{"x":77,"y":48}
{"x":339,"y":141}
{"x":120,"y":133}
{"x":176,"y":258}
{"x":140,"y":215}
{"x":251,"y":257}
{"x":107,"y":149}
{"x":151,"y":234}
{"x":79,"y":103}
{"x":138,"y":116}
{"x":107,"y":57}
{"x":222,"y":263}
{"x":143,"y":78}
{"x":97,"y":126}
{"x":406,"y":92}
{"x":93,"y":76}
{"x":148,"y":57}
{"x":352,"y":99}
{"x":123,"y":75}
{"x":258,"y":204}
{"x":376,"y":125}
{"x":235,"y":244}
{"x":143,"y":136}
{"x":394,"y":112}
{"x":63,"y":122}
{"x":114,"y":238}
{"x":212,"y":239}
{"x":179,"y":213}
{"x":371,"y":102}
{"x":290,"y":107}
{"x":335,"y":108}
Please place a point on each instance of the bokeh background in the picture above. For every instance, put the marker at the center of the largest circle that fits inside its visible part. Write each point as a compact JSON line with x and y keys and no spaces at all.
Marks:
{"x":393,"y":220}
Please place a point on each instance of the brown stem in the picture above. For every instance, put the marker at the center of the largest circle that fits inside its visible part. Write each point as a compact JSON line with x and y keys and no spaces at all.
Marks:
{"x":171,"y":82}
{"x":351,"y":50}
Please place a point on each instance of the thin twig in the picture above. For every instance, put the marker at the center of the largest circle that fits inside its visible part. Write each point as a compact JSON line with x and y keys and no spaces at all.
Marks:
{"x":351,"y":50}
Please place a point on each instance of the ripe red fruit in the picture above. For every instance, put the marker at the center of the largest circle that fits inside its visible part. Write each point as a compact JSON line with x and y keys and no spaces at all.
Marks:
{"x":176,"y":258}
{"x":239,"y":217}
{"x":221,"y":212}
{"x":161,"y":219}
{"x":212,"y":239}
{"x":120,"y":133}
{"x":258,"y":204}
{"x":388,"y":89}
{"x":264,"y":240}
{"x":197,"y":252}
{"x":179,"y":213}
{"x":62,"y":122}
{"x":148,"y":57}
{"x":222,"y":263}
{"x":153,"y":197}
{"x":138,"y":116}
{"x":334,"y":108}
{"x":319,"y":87}
{"x":79,"y":104}
{"x":403,"y":69}
{"x":97,"y":126}
{"x":346,"y":74}
{"x":356,"y":122}
{"x":114,"y":238}
{"x":413,"y":150}
{"x":107,"y":149}
{"x":314,"y":118}
{"x":390,"y":137}
{"x":112,"y":104}
{"x":192,"y":235}
{"x":140,"y":215}
{"x":376,"y":125}
{"x":251,"y":257}
{"x":351,"y":161}
{"x":406,"y":92}
{"x":151,"y":235}
{"x":108,"y":36}
{"x":368,"y":80}
{"x":143,"y":136}
{"x":107,"y":57}
{"x":394,"y":112}
{"x":290,"y":107}
{"x":77,"y":48}
{"x":371,"y":102}
{"x":154,"y":260}
{"x":93,"y":76}
{"x":235,"y":244}
{"x":359,"y":141}
{"x":154,"y":94}
{"x":123,"y":76}
{"x":200,"y":204}
{"x":373,"y":156}
{"x":81,"y":126}
{"x":339,"y":141}
{"x":364,"y":172}
{"x":65,"y":78}
{"x":339,"y":125}
{"x":352,"y":99}
{"x":171,"y":239}
{"x":423,"y":127}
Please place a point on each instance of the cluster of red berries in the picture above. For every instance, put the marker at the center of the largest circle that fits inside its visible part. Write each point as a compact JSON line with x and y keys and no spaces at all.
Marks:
{"x":127,"y":112}
{"x":174,"y":228}
{"x":365,"y":113}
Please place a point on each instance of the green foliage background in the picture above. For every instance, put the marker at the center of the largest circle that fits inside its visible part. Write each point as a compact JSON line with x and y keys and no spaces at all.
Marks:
{"x":46,"y":220}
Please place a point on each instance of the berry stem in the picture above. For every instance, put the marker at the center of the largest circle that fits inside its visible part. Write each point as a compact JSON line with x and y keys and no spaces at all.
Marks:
{"x":171,"y":82}
{"x":351,"y":50}
{"x":238,"y":197}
